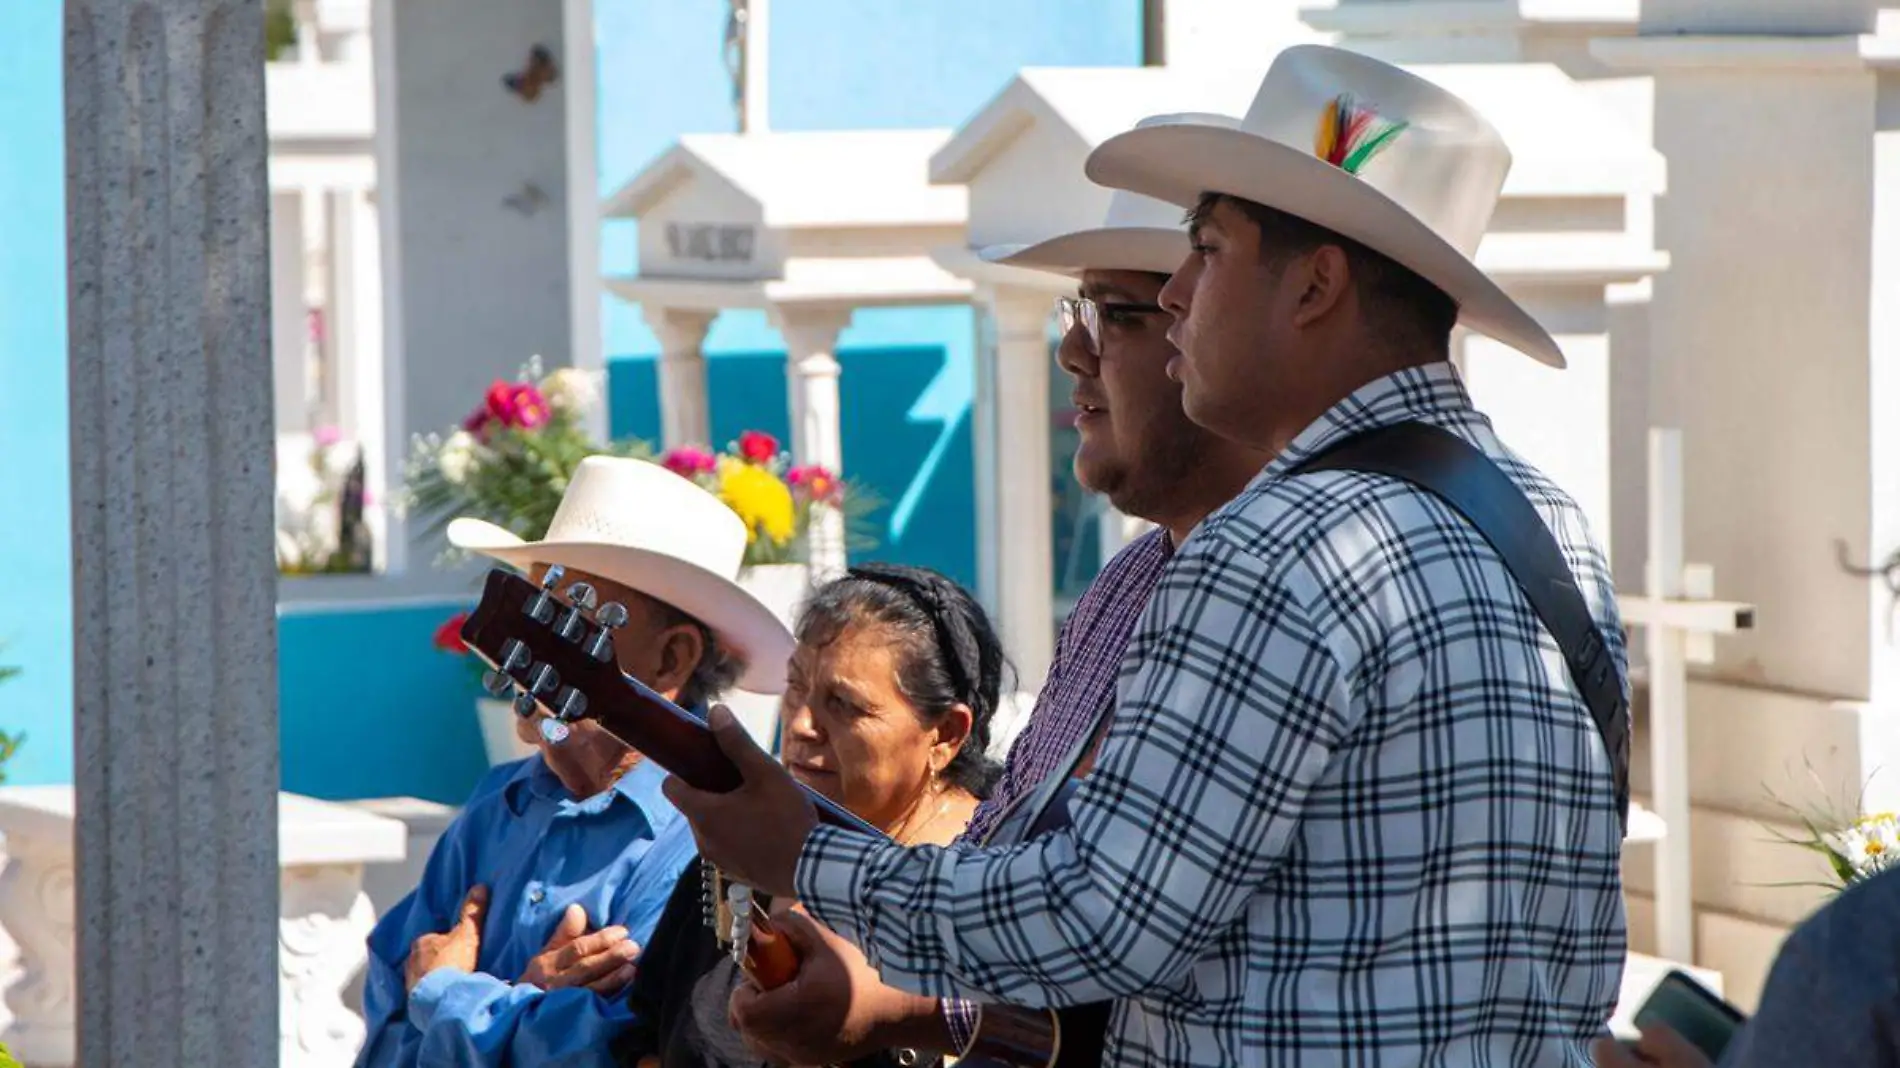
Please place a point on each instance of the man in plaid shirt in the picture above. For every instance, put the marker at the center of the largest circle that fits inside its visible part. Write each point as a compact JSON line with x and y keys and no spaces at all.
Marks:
{"x":1351,"y":809}
{"x":1139,"y":450}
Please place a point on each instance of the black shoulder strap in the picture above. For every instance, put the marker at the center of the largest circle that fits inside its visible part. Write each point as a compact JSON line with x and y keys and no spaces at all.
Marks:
{"x":1465,"y":478}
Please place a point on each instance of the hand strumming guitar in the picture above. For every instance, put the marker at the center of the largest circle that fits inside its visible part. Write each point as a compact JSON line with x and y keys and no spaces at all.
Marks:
{"x":836,"y":1009}
{"x":756,"y":832}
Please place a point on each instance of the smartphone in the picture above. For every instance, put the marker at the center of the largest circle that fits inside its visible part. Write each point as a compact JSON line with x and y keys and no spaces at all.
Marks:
{"x":1692,"y":1011}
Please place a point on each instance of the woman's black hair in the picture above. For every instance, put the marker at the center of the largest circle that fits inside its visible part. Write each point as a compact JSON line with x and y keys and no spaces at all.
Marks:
{"x":948,"y":654}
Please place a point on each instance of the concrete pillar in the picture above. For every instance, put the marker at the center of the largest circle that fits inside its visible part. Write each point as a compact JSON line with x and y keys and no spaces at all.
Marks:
{"x":1019,"y":537}
{"x":685,"y":417}
{"x":174,"y":581}
{"x":811,"y":365}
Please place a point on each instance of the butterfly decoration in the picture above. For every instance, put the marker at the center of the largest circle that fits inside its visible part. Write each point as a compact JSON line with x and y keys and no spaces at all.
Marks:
{"x":527,"y":200}
{"x":538,"y":74}
{"x":1350,"y":134}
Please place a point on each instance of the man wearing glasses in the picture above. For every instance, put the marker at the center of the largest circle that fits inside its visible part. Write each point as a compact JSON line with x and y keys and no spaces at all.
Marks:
{"x":1140,"y":451}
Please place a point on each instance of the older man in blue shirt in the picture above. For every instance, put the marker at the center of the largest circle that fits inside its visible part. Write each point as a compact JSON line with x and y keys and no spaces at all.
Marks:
{"x":490,"y":961}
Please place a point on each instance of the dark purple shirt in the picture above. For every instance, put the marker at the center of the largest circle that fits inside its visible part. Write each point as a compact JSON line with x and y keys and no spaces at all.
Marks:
{"x":1080,"y":684}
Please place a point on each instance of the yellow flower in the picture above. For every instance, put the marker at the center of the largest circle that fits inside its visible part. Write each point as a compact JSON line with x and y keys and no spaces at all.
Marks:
{"x":6,"y":1058}
{"x":764,"y":502}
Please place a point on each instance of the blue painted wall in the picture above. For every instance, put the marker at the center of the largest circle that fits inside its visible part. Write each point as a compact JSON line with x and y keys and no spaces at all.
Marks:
{"x":36,"y":590}
{"x":908,"y":373}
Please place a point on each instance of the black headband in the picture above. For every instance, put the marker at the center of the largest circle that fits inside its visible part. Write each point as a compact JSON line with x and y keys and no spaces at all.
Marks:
{"x":942,"y":618}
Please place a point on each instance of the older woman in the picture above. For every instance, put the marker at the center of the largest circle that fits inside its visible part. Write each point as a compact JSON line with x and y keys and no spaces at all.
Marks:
{"x":887,"y":711}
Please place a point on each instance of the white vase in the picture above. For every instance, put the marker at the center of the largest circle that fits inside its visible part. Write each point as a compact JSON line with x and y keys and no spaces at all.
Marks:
{"x":498,"y":731}
{"x":782,"y":588}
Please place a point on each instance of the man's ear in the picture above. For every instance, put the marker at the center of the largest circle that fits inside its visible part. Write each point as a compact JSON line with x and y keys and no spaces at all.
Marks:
{"x":1323,"y":277}
{"x":681,"y":648}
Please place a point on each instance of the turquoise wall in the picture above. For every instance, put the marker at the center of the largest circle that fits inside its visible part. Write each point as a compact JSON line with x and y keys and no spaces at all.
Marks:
{"x":35,"y":511}
{"x":405,"y":724}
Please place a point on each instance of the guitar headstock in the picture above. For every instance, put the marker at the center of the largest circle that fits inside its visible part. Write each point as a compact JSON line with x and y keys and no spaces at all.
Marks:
{"x":548,"y":651}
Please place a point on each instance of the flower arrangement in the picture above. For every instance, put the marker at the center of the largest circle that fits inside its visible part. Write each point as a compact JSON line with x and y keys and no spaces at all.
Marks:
{"x":511,"y":458}
{"x":776,"y":499}
{"x":1856,"y":849}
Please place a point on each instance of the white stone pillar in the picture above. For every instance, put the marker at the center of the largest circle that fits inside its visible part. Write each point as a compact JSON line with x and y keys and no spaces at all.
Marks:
{"x":1021,"y":541}
{"x":174,"y":577}
{"x":811,"y":366}
{"x":685,"y":416}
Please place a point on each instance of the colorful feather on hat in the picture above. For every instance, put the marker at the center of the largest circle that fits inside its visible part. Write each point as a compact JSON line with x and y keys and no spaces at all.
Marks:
{"x":1350,"y":135}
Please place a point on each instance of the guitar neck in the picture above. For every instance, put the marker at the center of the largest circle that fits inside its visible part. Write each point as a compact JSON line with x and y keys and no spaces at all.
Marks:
{"x":681,"y":743}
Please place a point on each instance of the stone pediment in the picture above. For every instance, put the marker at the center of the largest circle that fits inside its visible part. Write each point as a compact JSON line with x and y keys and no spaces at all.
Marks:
{"x":733,"y":207}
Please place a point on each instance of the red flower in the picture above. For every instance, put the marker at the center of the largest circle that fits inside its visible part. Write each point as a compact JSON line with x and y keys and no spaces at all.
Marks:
{"x":448,"y":636}
{"x":758,"y":446}
{"x":815,"y":482}
{"x":515,"y":405}
{"x":688,"y":461}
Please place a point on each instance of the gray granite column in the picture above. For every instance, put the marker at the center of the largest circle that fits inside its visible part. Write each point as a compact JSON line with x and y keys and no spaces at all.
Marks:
{"x":174,"y":582}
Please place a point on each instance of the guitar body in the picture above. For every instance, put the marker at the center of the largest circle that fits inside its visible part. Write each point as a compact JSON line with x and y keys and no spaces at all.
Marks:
{"x":1010,"y":1036}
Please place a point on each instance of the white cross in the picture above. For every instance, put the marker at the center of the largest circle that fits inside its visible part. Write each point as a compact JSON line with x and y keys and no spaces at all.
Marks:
{"x":1681,"y":619}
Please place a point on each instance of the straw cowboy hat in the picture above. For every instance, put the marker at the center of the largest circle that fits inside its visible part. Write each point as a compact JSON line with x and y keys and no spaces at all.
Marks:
{"x":1357,"y":146}
{"x":1139,"y":233}
{"x":650,"y":530}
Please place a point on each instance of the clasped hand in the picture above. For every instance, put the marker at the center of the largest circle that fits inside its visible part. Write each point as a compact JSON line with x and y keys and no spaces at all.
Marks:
{"x":603,"y":962}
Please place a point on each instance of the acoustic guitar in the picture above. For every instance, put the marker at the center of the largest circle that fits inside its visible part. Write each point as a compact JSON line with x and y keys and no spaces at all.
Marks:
{"x":556,"y":654}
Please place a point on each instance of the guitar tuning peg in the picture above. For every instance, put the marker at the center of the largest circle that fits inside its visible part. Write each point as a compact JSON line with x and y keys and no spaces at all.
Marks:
{"x":581,"y":596}
{"x":497,"y":684}
{"x":524,"y":704}
{"x":541,"y":608}
{"x":543,"y":680}
{"x":570,"y":705}
{"x":515,"y":656}
{"x":572,"y":626}
{"x":611,"y":615}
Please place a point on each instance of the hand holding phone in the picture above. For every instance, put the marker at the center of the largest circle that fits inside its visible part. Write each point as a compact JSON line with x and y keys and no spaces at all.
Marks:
{"x":1704,"y":1021}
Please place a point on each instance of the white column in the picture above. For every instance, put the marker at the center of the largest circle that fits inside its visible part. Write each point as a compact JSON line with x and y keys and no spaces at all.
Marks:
{"x":356,"y":344}
{"x":322,"y":915}
{"x":756,"y":116}
{"x":811,"y":366}
{"x":174,"y":579}
{"x":586,"y":345}
{"x":685,"y":417}
{"x":1022,"y":540}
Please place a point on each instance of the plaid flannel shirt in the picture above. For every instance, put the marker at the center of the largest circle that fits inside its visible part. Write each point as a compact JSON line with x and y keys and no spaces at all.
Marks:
{"x":1351,"y":809}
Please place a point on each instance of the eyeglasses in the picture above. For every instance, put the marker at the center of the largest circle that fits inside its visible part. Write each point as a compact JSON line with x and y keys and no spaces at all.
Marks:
{"x":1091,"y":314}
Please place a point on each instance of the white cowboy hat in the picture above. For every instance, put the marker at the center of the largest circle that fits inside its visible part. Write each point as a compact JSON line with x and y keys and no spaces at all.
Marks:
{"x":1139,"y":233}
{"x":650,"y":530}
{"x":1357,"y":146}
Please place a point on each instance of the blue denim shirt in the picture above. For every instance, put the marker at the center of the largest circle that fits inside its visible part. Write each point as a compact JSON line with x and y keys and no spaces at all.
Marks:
{"x":1833,"y":996}
{"x":538,"y":850}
